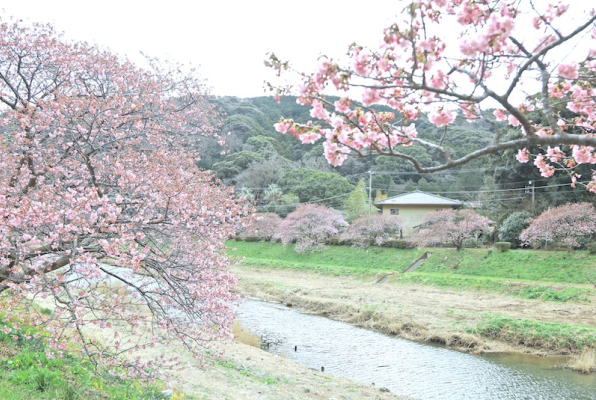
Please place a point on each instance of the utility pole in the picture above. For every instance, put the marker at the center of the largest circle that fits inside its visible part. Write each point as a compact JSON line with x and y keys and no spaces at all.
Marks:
{"x":546,"y":233}
{"x":370,"y":192}
{"x":532,"y":188}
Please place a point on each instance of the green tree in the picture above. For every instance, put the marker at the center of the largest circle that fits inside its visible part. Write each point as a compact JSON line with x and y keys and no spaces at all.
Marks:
{"x":313,"y":186}
{"x":282,"y":206}
{"x":513,"y":226}
{"x":356,"y":205}
{"x":235,"y":163}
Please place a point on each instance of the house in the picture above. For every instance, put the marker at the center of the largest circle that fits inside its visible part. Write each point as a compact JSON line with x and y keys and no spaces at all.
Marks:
{"x":412,"y":208}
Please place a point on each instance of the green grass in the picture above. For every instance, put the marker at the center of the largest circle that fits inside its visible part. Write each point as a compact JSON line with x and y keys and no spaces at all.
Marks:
{"x":536,"y":334}
{"x":521,"y":273}
{"x":530,"y":265}
{"x":521,"y":289}
{"x":335,"y":260}
{"x":26,"y":372}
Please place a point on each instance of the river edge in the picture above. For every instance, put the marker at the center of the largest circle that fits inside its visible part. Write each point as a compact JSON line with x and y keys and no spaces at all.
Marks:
{"x":414,"y":312}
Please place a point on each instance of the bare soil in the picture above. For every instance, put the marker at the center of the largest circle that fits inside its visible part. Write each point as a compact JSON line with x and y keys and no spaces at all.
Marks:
{"x":417,"y":312}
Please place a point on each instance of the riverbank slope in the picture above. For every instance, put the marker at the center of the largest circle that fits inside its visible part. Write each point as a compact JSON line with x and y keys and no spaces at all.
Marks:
{"x":456,"y":299}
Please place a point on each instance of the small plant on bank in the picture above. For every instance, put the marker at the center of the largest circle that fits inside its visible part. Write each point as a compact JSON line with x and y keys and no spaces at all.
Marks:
{"x":585,"y":362}
{"x":591,"y":248}
{"x":30,"y":369}
{"x":502,"y":246}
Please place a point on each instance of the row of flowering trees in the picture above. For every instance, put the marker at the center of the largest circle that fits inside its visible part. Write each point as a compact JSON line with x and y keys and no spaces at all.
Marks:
{"x":311,"y":226}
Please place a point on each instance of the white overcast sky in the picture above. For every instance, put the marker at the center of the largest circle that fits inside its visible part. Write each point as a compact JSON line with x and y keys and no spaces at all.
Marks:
{"x":226,"y":40}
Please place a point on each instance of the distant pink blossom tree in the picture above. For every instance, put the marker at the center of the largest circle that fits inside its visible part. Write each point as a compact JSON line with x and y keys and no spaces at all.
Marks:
{"x":569,"y":224}
{"x":96,"y":168}
{"x":451,"y":228}
{"x":310,"y":226}
{"x":377,"y":229}
{"x":454,"y":59}
{"x":265,"y":226}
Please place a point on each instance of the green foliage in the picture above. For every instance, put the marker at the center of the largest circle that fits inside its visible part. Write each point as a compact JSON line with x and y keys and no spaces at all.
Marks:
{"x":312,"y":186}
{"x":399,"y":244}
{"x":26,"y":372}
{"x":502,"y":246}
{"x":513,"y":226}
{"x":282,"y":206}
{"x":591,"y":248}
{"x":261,"y":143}
{"x":356,"y":204}
{"x":235,"y":163}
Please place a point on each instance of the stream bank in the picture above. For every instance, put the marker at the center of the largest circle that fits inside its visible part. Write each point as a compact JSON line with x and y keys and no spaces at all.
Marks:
{"x":425,"y":313}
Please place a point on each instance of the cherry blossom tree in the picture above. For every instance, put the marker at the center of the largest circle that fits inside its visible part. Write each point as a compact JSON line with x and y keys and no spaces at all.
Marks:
{"x":98,"y":189}
{"x":310,"y":226}
{"x":569,"y":224}
{"x":375,"y":229}
{"x":265,"y":226}
{"x":451,"y":228}
{"x":456,"y":59}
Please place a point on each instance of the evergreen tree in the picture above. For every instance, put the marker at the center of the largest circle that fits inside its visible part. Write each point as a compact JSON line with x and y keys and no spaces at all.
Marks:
{"x":356,"y":205}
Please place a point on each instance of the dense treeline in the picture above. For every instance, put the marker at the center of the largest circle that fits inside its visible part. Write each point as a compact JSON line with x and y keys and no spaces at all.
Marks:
{"x":278,"y":172}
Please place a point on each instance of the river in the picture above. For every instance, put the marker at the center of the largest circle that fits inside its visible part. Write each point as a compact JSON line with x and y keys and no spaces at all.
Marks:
{"x":407,"y":368}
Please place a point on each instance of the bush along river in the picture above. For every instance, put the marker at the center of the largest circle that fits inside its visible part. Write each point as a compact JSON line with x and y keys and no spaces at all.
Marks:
{"x":406,"y":368}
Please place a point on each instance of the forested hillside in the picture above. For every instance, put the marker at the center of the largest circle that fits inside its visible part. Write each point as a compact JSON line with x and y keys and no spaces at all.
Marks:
{"x":278,"y":172}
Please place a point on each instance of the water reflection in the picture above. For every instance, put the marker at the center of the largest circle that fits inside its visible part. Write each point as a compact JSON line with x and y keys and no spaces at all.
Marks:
{"x":408,"y":368}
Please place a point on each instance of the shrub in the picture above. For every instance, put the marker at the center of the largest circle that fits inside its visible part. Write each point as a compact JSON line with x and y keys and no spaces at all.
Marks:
{"x":513,"y":226}
{"x":399,"y":244}
{"x":502,"y":246}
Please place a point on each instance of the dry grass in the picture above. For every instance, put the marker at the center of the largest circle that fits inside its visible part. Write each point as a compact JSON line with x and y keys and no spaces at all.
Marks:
{"x":243,"y":335}
{"x":585,"y":362}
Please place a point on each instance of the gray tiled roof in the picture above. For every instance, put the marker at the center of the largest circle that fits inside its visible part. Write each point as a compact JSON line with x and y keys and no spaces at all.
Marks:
{"x":418,"y":197}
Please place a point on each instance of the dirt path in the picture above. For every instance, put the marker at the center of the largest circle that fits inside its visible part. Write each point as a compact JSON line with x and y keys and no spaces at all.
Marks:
{"x":411,"y":311}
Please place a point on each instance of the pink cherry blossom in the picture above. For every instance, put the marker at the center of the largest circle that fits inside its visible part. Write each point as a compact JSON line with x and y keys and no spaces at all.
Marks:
{"x":523,"y":156}
{"x":440,"y":117}
{"x":92,"y":173}
{"x":513,"y":121}
{"x":568,"y":71}
{"x":418,"y":69}
{"x":500,"y":115}
{"x":318,"y":110}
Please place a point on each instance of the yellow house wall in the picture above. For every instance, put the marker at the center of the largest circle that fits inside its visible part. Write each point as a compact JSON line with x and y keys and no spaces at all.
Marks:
{"x":411,"y":215}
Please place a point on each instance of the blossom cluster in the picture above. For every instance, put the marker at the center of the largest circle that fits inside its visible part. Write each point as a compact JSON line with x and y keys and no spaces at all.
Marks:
{"x":500,"y":49}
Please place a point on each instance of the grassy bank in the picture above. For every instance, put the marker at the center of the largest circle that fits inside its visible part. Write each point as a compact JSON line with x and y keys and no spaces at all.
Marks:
{"x":528,"y":274}
{"x":550,"y":336}
{"x":29,"y":370}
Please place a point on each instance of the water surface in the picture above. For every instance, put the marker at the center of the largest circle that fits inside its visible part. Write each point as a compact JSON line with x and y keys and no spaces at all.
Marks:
{"x":407,"y":368}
